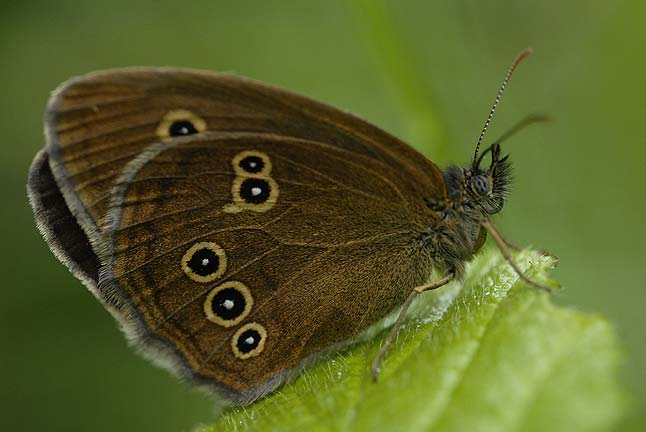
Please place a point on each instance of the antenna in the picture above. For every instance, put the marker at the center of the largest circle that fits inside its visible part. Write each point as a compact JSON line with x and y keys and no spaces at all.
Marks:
{"x":524,"y":53}
{"x":529,"y":120}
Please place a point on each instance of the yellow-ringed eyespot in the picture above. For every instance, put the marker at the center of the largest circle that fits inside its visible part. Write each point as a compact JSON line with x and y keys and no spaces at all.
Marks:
{"x":228,"y":304}
{"x":249,"y":340}
{"x":204,"y":262}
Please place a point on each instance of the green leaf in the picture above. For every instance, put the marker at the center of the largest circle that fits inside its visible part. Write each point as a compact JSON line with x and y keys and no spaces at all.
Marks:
{"x":489,"y":353}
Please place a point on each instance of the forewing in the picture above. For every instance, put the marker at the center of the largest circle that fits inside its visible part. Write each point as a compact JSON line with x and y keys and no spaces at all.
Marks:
{"x":98,"y":123}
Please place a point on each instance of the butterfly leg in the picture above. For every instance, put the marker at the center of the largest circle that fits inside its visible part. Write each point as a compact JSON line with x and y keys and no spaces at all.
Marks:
{"x":509,"y":244}
{"x":502,"y":245}
{"x":400,"y":319}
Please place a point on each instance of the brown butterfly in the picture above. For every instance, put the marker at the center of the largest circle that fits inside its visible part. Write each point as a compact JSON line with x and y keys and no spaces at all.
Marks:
{"x":236,"y":230}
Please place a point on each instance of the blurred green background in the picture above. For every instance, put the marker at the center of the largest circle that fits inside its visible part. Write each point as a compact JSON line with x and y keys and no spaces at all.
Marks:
{"x":425,"y":71}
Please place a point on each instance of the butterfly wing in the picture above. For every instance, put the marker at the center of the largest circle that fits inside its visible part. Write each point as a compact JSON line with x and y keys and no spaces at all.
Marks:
{"x":97,"y":123}
{"x":307,"y":216}
{"x":58,"y":225}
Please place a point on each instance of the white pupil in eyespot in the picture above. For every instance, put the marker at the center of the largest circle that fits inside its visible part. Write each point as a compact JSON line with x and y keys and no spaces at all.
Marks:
{"x":255,"y":191}
{"x":249,"y":340}
{"x":253,"y":164}
{"x":228,"y":304}
{"x":205,"y":262}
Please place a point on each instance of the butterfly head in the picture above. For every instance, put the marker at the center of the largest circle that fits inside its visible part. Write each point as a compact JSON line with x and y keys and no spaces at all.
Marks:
{"x":477,"y":192}
{"x":486,"y":188}
{"x":473,"y":194}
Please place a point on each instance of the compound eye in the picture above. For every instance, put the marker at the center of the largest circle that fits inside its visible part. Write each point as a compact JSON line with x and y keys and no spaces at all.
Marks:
{"x":480,"y":185}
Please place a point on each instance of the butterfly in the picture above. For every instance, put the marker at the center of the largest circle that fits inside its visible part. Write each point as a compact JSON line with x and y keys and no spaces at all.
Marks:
{"x":236,"y":230}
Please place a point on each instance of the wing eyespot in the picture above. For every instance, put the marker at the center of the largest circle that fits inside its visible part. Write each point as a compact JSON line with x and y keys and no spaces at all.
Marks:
{"x":252,"y":162}
{"x":228,"y":304}
{"x":249,"y":340}
{"x":255,"y":190}
{"x":180,"y":123}
{"x":253,"y":187}
{"x":182,"y":127}
{"x":204,"y":262}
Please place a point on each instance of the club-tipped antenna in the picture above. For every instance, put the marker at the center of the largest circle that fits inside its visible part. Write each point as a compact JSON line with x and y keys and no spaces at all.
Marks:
{"x":522,"y":124}
{"x":524,"y":53}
